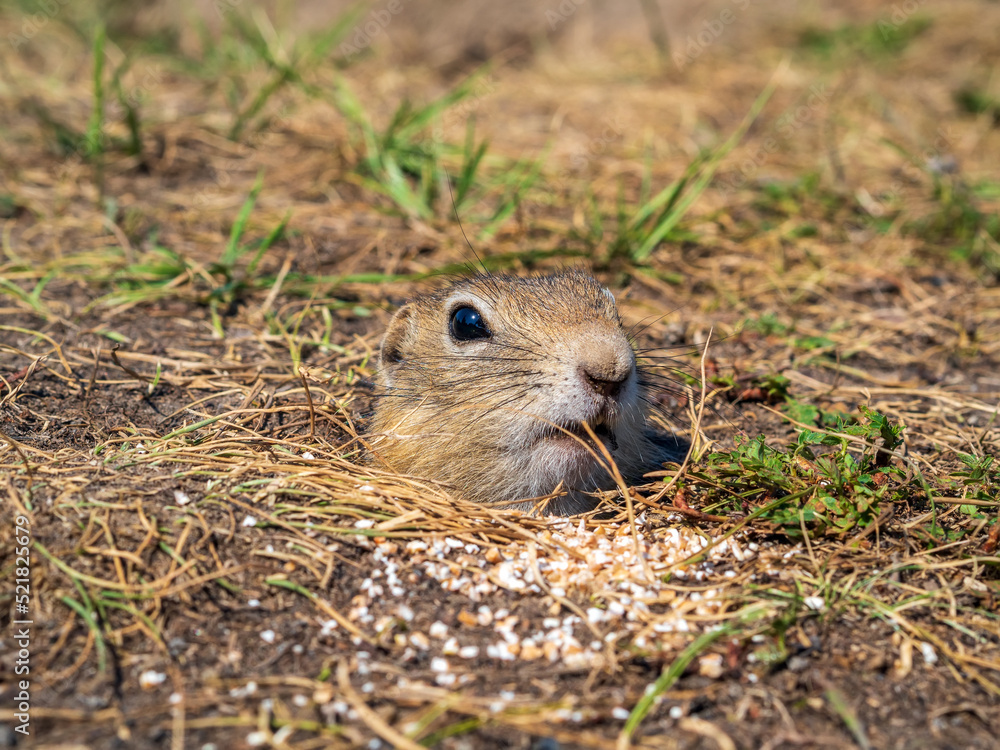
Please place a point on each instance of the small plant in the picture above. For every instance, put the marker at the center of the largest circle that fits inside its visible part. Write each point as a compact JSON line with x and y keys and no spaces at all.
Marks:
{"x":979,"y":474}
{"x":786,"y":199}
{"x":403,"y":162}
{"x":829,"y":482}
{"x":236,"y":279}
{"x":767,"y":324}
{"x":976,"y":102}
{"x":410,"y":167}
{"x":887,"y":37}
{"x":980,"y":480}
{"x":809,"y":414}
{"x":164,"y":272}
{"x":972,"y":234}
{"x":32,"y":299}
{"x":957,"y":224}
{"x":285,"y":68}
{"x":94,"y":142}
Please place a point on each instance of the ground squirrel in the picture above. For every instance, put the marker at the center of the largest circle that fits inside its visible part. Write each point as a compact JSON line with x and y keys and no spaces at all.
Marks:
{"x":475,"y":380}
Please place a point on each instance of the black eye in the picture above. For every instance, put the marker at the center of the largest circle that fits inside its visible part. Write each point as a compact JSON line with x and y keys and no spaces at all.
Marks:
{"x":467,"y":325}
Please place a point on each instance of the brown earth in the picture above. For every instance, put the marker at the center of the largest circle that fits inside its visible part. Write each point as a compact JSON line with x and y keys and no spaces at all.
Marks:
{"x":215,"y":566}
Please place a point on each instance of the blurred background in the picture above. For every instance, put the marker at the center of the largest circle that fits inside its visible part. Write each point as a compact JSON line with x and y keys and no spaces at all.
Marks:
{"x":209,"y":210}
{"x":664,"y":144}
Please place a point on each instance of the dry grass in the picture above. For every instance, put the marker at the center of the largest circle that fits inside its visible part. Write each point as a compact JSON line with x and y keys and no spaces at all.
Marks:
{"x":182,"y":408}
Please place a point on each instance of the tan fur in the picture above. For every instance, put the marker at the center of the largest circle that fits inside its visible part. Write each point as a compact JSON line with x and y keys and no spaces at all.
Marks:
{"x":479,"y":414}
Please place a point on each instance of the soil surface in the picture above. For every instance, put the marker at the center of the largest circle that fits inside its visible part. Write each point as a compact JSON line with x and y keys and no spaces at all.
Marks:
{"x":214,"y":563}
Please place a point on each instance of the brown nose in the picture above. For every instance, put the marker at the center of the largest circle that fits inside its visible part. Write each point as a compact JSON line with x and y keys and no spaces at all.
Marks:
{"x":604,"y":364}
{"x":601,"y":385}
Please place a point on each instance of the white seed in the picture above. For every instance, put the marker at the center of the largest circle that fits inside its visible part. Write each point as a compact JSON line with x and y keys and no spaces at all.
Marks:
{"x":815,"y":603}
{"x":928,"y":652}
{"x":445,"y":679}
{"x":151,"y":678}
{"x":439,"y":665}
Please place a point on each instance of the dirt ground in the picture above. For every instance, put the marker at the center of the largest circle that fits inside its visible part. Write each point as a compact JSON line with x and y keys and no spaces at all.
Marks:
{"x":194,"y":283}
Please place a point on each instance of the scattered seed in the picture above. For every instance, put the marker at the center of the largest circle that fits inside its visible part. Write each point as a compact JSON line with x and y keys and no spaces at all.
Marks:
{"x":151,"y":678}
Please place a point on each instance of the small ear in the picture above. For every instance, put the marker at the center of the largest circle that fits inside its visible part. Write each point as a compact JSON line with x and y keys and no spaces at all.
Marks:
{"x":398,"y":340}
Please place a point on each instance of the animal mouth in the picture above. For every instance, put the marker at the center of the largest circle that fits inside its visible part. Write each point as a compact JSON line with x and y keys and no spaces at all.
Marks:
{"x":575,"y":429}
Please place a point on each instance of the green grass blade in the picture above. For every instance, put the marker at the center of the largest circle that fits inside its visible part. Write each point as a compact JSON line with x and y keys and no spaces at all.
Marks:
{"x":349,"y":106}
{"x":90,"y":620}
{"x":325,"y":41}
{"x":521,"y":180}
{"x":18,"y":293}
{"x":418,"y":120}
{"x":667,"y":196}
{"x":94,"y":137}
{"x":131,"y":113}
{"x":259,"y":101}
{"x":271,"y":238}
{"x":233,"y":248}
{"x":472,"y":158}
{"x":686,"y":197}
{"x":398,"y":188}
{"x":847,"y":714}
{"x":666,"y":680}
